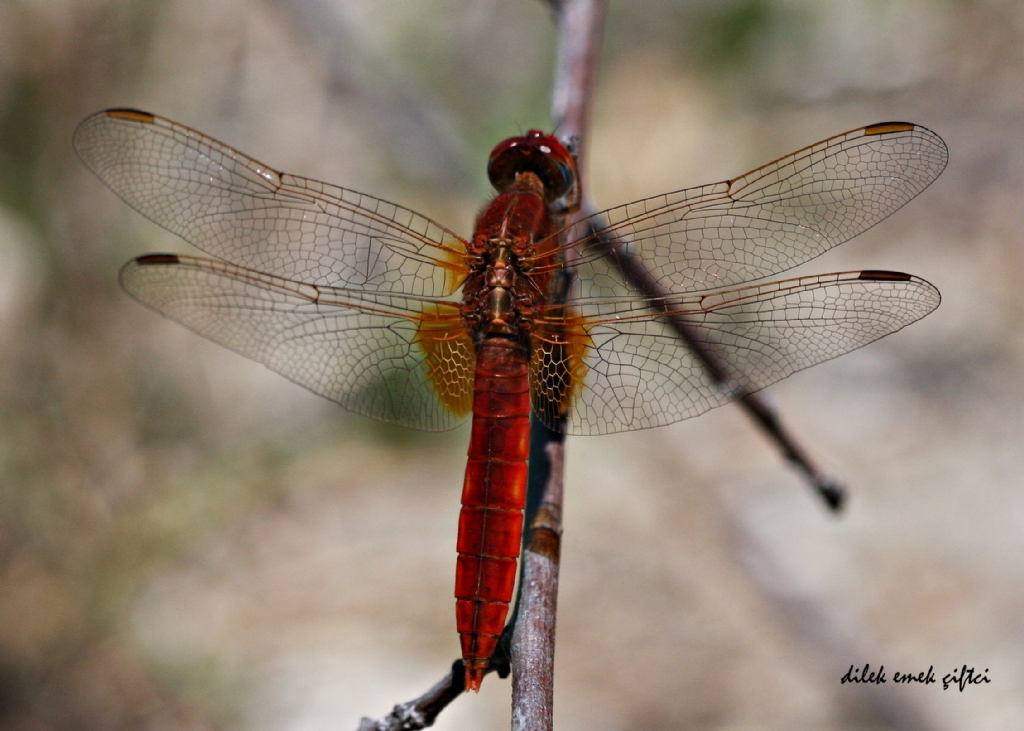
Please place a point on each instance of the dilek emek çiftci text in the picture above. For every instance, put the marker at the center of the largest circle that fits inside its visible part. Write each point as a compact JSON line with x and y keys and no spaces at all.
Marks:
{"x":963,"y":677}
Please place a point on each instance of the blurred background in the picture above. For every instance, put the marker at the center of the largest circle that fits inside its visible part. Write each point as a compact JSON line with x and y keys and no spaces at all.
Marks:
{"x":188,"y":541}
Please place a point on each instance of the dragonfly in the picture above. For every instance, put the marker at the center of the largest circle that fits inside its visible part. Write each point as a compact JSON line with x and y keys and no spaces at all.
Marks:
{"x":398,"y":318}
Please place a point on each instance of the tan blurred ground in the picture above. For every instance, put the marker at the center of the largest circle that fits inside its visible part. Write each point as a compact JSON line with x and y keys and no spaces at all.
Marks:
{"x":188,"y":541}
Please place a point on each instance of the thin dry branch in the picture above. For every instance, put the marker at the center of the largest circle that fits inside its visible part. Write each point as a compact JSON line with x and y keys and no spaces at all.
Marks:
{"x":580,"y":27}
{"x":423,"y":711}
{"x":533,"y":636}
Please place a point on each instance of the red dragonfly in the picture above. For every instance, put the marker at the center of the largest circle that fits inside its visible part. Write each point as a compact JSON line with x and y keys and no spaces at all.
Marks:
{"x":357,"y":299}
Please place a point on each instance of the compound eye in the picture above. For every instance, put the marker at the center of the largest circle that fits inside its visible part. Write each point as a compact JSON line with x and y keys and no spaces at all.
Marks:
{"x":537,"y":153}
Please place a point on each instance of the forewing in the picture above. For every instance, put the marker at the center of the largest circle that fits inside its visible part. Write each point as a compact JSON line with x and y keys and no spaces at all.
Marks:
{"x":776,"y":217}
{"x":364,"y":351}
{"x":242,"y":211}
{"x":638,"y":373}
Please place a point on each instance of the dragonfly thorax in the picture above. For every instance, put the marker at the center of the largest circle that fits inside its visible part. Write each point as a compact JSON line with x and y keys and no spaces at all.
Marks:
{"x":500,"y":311}
{"x":498,"y":293}
{"x":501,"y":272}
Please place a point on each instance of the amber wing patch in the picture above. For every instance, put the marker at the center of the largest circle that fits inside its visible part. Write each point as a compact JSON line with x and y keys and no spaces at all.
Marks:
{"x":450,"y":358}
{"x":558,"y":351}
{"x":451,"y":256}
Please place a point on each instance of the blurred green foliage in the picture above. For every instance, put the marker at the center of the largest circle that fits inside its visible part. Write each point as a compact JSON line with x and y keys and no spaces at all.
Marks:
{"x":22,"y":130}
{"x":729,"y":34}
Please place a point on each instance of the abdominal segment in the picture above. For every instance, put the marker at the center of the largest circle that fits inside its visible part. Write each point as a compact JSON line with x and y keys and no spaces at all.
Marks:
{"x":493,"y":497}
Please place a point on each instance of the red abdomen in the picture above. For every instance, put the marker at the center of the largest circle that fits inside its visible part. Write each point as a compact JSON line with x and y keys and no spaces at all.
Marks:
{"x":493,"y":497}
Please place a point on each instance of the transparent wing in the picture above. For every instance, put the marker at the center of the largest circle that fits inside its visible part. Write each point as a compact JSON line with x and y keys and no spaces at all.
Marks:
{"x":635,"y":372}
{"x":773,"y":218}
{"x":239,"y":210}
{"x":375,"y":354}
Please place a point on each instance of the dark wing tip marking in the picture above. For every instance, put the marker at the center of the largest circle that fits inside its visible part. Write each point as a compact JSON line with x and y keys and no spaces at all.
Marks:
{"x":133,"y":114}
{"x":874,"y":275}
{"x":150,"y":259}
{"x":887,"y":127}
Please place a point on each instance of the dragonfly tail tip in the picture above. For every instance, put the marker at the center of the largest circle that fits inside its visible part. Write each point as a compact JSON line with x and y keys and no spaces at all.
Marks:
{"x":474,"y":677}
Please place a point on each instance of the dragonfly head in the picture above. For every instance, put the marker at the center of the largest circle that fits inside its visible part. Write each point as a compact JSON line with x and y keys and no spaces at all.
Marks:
{"x":537,"y":153}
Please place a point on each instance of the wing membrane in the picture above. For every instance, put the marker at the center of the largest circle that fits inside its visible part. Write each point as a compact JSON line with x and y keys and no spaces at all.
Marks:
{"x":773,"y":218}
{"x":244,"y":212}
{"x":638,"y":374}
{"x":364,"y":351}
{"x":345,"y":294}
